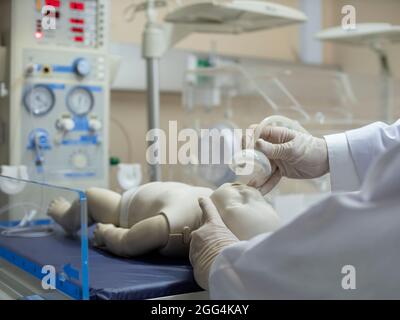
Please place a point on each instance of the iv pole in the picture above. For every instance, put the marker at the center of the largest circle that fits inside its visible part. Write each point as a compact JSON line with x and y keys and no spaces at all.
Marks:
{"x":157,"y":38}
{"x":152,"y":54}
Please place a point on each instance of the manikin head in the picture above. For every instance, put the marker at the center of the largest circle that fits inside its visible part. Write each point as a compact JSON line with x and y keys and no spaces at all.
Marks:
{"x":244,"y":210}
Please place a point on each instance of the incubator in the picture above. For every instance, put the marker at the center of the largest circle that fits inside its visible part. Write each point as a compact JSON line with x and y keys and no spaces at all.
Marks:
{"x":35,"y":258}
{"x":38,"y":260}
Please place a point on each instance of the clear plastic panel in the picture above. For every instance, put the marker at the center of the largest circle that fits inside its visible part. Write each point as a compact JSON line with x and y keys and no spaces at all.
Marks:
{"x":32,"y":241}
{"x":323,"y":100}
{"x":308,"y":94}
{"x":395,"y":112}
{"x":376,"y":98}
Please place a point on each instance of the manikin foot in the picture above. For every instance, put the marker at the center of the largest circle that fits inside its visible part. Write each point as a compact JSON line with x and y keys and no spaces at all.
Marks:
{"x":99,"y":232}
{"x":65,"y":214}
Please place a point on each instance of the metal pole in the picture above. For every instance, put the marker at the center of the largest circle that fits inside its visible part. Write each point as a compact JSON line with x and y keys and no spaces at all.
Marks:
{"x":153,"y":110}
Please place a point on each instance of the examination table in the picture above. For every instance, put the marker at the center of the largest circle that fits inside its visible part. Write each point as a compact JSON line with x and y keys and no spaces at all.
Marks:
{"x":110,"y":277}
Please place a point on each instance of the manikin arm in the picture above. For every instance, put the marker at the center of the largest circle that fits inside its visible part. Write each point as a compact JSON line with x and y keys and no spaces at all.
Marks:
{"x":145,"y":236}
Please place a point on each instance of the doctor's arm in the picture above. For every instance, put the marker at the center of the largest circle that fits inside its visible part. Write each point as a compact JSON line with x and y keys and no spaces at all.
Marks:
{"x":352,"y":153}
{"x":323,"y":254}
{"x":347,"y":156}
{"x":344,"y":247}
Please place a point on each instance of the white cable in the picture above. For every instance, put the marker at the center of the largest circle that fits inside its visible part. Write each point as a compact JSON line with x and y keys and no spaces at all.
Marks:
{"x":24,"y":229}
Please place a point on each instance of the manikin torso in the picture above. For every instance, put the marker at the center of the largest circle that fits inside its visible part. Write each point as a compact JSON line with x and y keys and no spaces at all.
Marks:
{"x":242,"y":208}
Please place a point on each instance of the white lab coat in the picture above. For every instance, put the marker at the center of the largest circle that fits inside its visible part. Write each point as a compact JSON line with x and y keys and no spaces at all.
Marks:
{"x":360,"y":229}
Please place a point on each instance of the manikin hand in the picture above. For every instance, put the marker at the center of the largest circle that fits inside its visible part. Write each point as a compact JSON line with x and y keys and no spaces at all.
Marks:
{"x":292,"y":154}
{"x":208,"y":241}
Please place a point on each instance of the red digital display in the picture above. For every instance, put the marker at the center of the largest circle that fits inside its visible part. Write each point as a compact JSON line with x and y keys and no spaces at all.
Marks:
{"x":77,"y":30}
{"x":76,"y":21}
{"x":53,"y":3}
{"x":78,"y":39}
{"x":77,"y":6}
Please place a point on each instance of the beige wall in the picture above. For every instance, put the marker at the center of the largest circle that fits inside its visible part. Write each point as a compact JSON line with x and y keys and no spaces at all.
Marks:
{"x":129,"y":118}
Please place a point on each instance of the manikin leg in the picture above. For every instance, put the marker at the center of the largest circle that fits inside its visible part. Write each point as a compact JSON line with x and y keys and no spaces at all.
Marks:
{"x":143,"y":237}
{"x":66,"y":214}
{"x":103,"y":206}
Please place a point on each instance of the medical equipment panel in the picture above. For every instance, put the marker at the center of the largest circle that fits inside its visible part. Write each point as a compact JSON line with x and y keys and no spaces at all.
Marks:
{"x":58,"y":109}
{"x":80,"y":22}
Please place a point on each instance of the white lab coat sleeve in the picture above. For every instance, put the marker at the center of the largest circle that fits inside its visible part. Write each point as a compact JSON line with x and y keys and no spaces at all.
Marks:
{"x":342,"y":169}
{"x":369,"y":142}
{"x":351,"y":153}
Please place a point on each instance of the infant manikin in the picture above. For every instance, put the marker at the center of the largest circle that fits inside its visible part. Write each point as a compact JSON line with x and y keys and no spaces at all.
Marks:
{"x":161,"y":216}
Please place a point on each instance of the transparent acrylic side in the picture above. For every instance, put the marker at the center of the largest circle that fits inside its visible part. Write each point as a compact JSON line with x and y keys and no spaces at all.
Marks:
{"x":324,"y":101}
{"x":31,"y":240}
{"x":396,"y":100}
{"x":310,"y":95}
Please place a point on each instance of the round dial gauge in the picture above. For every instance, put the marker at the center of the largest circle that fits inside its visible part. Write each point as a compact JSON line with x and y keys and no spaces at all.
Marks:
{"x":80,"y":160}
{"x":80,"y":101}
{"x":39,"y":100}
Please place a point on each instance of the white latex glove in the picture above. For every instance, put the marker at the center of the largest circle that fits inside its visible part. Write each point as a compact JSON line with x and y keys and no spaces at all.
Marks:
{"x":208,"y":241}
{"x":292,"y":154}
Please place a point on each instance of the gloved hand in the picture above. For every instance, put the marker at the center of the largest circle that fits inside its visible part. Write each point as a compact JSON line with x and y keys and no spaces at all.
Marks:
{"x":292,"y":154}
{"x":208,"y":241}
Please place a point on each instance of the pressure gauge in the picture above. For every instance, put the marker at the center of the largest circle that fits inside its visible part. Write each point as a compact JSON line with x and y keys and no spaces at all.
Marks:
{"x":80,"y":160}
{"x":39,"y":100}
{"x":80,"y":101}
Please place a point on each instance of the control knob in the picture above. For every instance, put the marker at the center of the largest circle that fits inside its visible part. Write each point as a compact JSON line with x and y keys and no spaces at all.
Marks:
{"x":95,"y":125}
{"x":82,"y":67}
{"x":66,"y":124}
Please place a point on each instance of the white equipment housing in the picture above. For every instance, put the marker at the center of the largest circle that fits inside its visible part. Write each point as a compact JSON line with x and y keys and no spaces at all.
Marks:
{"x":364,"y":34}
{"x":55,"y":118}
{"x":234,"y":16}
